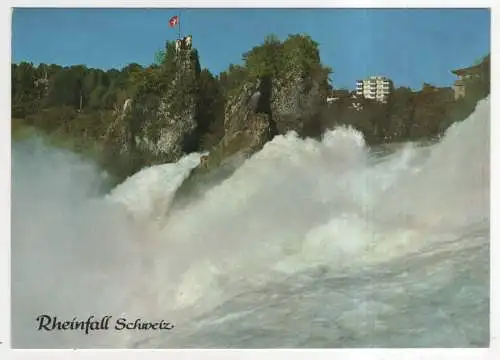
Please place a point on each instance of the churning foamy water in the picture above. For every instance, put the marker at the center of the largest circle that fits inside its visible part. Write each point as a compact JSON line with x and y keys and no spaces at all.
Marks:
{"x":307,"y":244}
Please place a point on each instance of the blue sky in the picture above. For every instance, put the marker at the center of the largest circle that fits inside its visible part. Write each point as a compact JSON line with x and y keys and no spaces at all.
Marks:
{"x":411,"y":46}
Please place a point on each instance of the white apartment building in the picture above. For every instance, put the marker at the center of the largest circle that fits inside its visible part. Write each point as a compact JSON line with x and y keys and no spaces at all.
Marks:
{"x":375,"y":87}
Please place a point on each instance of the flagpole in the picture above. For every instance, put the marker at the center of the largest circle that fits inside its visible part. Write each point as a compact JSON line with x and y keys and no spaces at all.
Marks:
{"x":179,"y":23}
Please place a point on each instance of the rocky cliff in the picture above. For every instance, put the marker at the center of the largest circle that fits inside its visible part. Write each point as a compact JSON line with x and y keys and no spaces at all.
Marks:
{"x":160,"y":122}
{"x":282,"y":88}
{"x":299,"y":91}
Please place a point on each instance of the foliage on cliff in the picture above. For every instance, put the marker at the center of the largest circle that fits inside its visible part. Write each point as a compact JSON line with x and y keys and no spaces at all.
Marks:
{"x":89,"y":105}
{"x":278,"y":87}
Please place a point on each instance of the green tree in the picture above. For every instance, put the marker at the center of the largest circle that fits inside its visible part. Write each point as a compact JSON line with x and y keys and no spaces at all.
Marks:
{"x":264,"y":60}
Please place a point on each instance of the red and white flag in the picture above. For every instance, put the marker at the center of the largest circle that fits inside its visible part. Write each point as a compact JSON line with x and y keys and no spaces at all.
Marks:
{"x":174,"y":20}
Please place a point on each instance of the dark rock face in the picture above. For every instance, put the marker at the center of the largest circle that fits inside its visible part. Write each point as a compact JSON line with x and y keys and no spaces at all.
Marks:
{"x":247,"y":116}
{"x":175,"y":115}
{"x":288,"y":100}
{"x":240,"y":107}
{"x":296,"y":101}
{"x":161,"y":126}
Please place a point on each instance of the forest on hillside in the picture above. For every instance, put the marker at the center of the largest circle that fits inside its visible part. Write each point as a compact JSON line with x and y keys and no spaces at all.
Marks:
{"x":83,"y":103}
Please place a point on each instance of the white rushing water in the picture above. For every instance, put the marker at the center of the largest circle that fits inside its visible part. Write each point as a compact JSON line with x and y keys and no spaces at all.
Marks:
{"x":307,"y":244}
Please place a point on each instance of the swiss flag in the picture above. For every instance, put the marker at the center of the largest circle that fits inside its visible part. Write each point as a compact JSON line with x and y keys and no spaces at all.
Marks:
{"x":174,"y":20}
